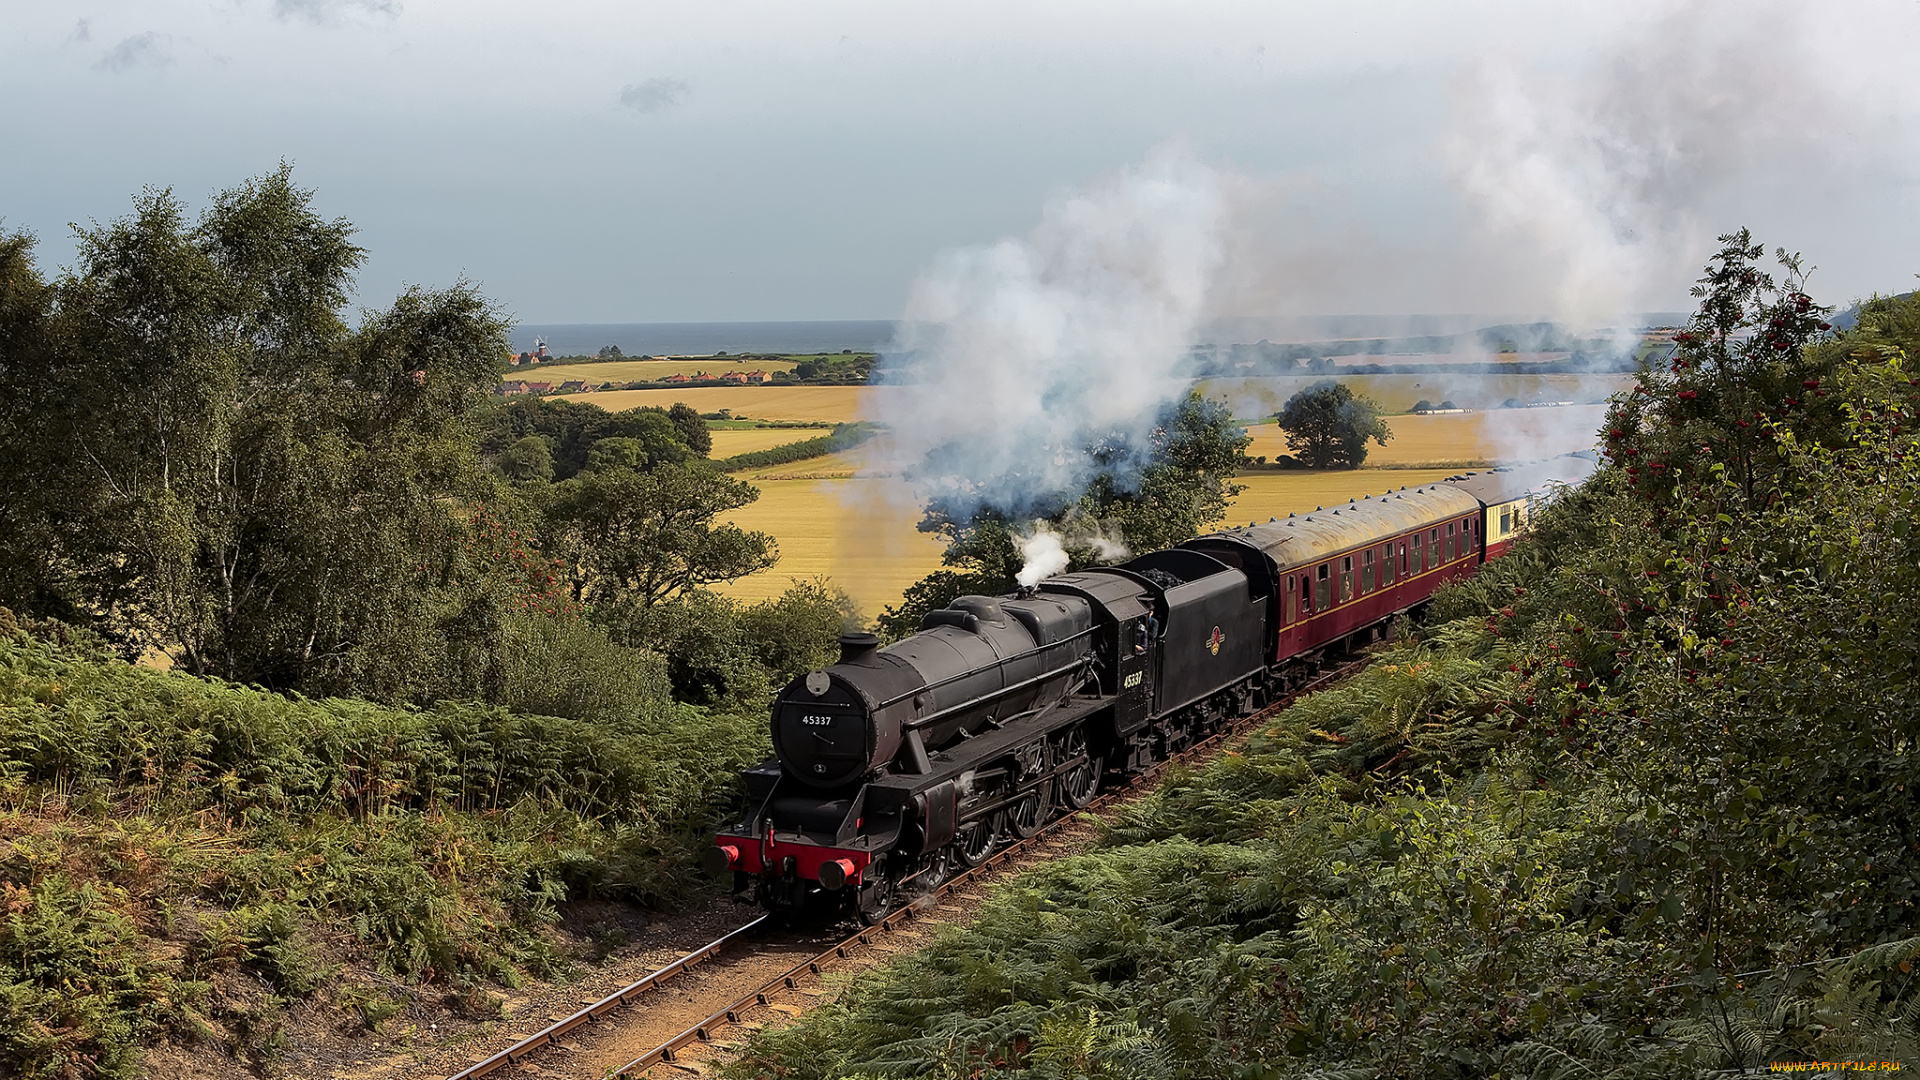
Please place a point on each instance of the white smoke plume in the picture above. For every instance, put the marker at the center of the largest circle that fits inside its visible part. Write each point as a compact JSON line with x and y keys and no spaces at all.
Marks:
{"x":1042,"y":556}
{"x":1024,"y":368}
{"x":1614,"y":178}
{"x":1044,"y":549}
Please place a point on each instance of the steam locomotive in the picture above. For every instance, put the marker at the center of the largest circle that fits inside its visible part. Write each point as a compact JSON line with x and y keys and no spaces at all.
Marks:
{"x":897,"y":765}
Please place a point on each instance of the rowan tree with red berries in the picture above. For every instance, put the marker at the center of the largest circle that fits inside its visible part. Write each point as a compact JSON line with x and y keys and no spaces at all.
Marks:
{"x":1740,"y":371}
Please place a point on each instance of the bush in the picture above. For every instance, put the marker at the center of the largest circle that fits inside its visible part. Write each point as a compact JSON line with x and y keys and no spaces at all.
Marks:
{"x":244,"y":829}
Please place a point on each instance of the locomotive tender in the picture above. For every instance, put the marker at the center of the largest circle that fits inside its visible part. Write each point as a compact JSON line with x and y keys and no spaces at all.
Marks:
{"x":898,"y":764}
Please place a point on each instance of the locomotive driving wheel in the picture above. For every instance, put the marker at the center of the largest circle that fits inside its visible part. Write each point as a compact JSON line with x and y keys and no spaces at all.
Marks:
{"x":976,"y":841}
{"x":1027,"y":814}
{"x":1081,"y":782}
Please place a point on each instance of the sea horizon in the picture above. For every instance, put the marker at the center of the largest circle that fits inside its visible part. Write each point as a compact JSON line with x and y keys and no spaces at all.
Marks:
{"x":707,"y":338}
{"x":872,"y":335}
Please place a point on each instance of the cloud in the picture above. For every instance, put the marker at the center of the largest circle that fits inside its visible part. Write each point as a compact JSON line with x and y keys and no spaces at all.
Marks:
{"x":654,"y":95}
{"x":329,"y":12}
{"x":143,"y":50}
{"x":82,"y":30}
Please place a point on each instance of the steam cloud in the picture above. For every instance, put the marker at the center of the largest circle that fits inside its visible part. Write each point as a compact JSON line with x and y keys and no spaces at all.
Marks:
{"x":1042,"y":556}
{"x":1617,"y":178}
{"x":143,"y":50}
{"x":654,"y":95}
{"x":1043,"y":549}
{"x":1025,"y":368}
{"x":1592,"y":193}
{"x":327,"y":12}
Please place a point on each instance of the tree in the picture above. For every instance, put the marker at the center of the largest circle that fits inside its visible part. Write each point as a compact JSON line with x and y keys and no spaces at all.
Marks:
{"x":1327,"y":424}
{"x":634,"y":536}
{"x":529,"y":459}
{"x":204,"y":459}
{"x":693,"y":430}
{"x":1740,"y":369}
{"x":573,"y":428}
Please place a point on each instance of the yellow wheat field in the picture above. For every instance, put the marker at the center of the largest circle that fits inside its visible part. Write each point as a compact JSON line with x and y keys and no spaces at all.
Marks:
{"x":728,"y":443}
{"x":1398,"y":393}
{"x":835,"y":404}
{"x":844,"y":528}
{"x":850,"y":528}
{"x":1459,"y":439}
{"x":1277,"y":494}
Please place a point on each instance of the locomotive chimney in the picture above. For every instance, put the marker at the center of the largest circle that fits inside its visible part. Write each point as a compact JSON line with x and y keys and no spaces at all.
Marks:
{"x":855,"y":646}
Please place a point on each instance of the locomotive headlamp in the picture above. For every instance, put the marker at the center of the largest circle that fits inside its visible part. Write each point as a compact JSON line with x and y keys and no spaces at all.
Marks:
{"x":835,"y":872}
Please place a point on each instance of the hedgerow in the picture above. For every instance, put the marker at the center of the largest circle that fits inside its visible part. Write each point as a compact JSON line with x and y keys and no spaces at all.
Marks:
{"x":843,"y":437}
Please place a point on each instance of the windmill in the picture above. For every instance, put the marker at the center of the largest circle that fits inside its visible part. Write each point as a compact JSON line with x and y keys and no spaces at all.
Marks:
{"x":540,"y":347}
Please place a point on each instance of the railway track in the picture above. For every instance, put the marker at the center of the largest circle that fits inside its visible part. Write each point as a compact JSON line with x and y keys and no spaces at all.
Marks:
{"x":808,"y":971}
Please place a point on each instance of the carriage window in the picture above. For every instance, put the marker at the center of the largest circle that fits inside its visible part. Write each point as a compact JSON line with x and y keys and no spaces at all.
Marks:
{"x":1322,"y":590}
{"x":1450,"y":542}
{"x":1366,"y":571}
{"x":1403,"y":556}
{"x":1433,"y":548}
{"x":1506,"y":520}
{"x":1346,"y":579}
{"x":1293,"y":601}
{"x":1386,"y":565}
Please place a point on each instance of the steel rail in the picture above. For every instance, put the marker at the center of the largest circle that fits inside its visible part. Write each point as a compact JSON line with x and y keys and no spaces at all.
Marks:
{"x":704,"y":1031}
{"x":626,"y":995}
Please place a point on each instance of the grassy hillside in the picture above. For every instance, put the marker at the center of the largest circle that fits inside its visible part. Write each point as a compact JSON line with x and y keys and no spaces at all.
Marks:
{"x":183,"y":859}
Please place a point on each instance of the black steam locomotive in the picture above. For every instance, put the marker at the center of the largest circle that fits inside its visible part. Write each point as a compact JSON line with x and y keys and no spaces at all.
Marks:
{"x":896,"y":765}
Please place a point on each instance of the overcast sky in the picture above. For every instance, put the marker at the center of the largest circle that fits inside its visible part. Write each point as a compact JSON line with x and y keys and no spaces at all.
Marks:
{"x":721,"y":160}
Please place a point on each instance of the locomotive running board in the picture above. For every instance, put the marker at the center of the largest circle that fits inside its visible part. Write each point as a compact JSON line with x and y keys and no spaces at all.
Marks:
{"x":943,"y":766}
